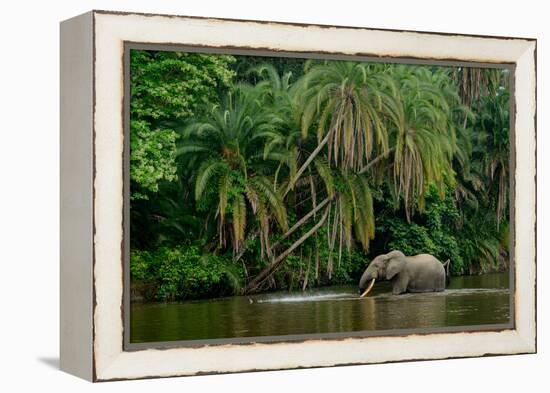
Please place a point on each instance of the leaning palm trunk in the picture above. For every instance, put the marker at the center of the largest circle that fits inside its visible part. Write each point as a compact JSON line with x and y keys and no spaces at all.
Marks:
{"x":306,"y":164}
{"x":277,"y":261}
{"x":302,"y":221}
{"x":374,"y":161}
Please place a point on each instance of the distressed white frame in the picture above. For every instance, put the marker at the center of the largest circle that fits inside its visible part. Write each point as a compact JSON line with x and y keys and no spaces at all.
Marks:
{"x":110,"y":31}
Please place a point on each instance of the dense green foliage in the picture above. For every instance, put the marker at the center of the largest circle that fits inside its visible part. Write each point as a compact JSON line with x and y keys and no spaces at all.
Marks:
{"x":282,"y":65}
{"x":257,"y":173}
{"x":183,"y":272}
{"x":167,"y":88}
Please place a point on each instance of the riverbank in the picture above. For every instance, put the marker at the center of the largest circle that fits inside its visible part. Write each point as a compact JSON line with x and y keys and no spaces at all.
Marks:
{"x":146,"y":292}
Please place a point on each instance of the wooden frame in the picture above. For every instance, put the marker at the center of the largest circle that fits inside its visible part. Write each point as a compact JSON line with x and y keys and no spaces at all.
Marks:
{"x":93,"y":188}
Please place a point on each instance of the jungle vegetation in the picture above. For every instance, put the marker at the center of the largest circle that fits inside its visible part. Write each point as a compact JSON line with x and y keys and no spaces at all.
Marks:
{"x":255,"y":173}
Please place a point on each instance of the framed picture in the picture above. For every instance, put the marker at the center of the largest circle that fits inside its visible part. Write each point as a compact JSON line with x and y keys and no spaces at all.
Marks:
{"x":245,"y":195}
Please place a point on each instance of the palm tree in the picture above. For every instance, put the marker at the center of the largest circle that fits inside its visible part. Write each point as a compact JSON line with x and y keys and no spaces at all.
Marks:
{"x":469,"y":180}
{"x":423,"y":132}
{"x":281,"y":143}
{"x":474,"y":83}
{"x":347,"y":210}
{"x":483,"y":180}
{"x":343,"y":101}
{"x":491,"y":152}
{"x":226,"y":140}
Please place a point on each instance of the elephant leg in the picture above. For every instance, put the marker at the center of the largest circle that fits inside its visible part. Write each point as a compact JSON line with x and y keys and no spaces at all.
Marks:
{"x":400,"y":284}
{"x":441,"y":286}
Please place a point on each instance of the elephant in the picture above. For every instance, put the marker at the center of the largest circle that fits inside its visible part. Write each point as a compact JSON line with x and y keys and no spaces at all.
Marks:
{"x":418,"y":273}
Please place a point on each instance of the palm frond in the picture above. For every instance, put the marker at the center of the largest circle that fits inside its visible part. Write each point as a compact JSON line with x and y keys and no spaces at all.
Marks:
{"x":206,"y":173}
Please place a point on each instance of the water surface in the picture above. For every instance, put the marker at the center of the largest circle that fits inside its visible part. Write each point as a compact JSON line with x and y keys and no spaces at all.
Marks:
{"x":469,"y":300}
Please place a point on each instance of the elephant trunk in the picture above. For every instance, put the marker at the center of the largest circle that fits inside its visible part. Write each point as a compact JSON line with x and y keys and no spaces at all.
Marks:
{"x":369,"y":288}
{"x":367,"y":276}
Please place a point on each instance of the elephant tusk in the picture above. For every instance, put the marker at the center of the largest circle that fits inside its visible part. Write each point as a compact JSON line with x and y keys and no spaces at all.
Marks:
{"x":369,"y":288}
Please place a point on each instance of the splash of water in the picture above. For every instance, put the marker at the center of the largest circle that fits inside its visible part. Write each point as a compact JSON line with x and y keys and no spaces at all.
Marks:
{"x":386,"y":295}
{"x":305,"y":298}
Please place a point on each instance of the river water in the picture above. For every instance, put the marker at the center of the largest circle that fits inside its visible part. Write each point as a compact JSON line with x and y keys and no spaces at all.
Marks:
{"x":468,"y":300}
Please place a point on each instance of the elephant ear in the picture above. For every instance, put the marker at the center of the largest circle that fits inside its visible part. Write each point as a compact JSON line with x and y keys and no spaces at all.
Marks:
{"x":394,"y":263}
{"x":392,"y":269}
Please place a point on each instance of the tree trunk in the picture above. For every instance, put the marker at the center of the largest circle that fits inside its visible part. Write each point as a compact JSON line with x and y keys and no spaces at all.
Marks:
{"x":301,"y":221}
{"x":308,"y":161}
{"x":268,"y":270}
{"x":374,"y":161}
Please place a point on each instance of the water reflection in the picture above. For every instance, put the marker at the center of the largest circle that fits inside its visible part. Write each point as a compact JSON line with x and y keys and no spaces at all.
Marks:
{"x":471,"y":300}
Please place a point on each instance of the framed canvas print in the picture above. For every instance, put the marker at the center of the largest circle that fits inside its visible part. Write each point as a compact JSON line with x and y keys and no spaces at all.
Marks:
{"x":245,"y":195}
